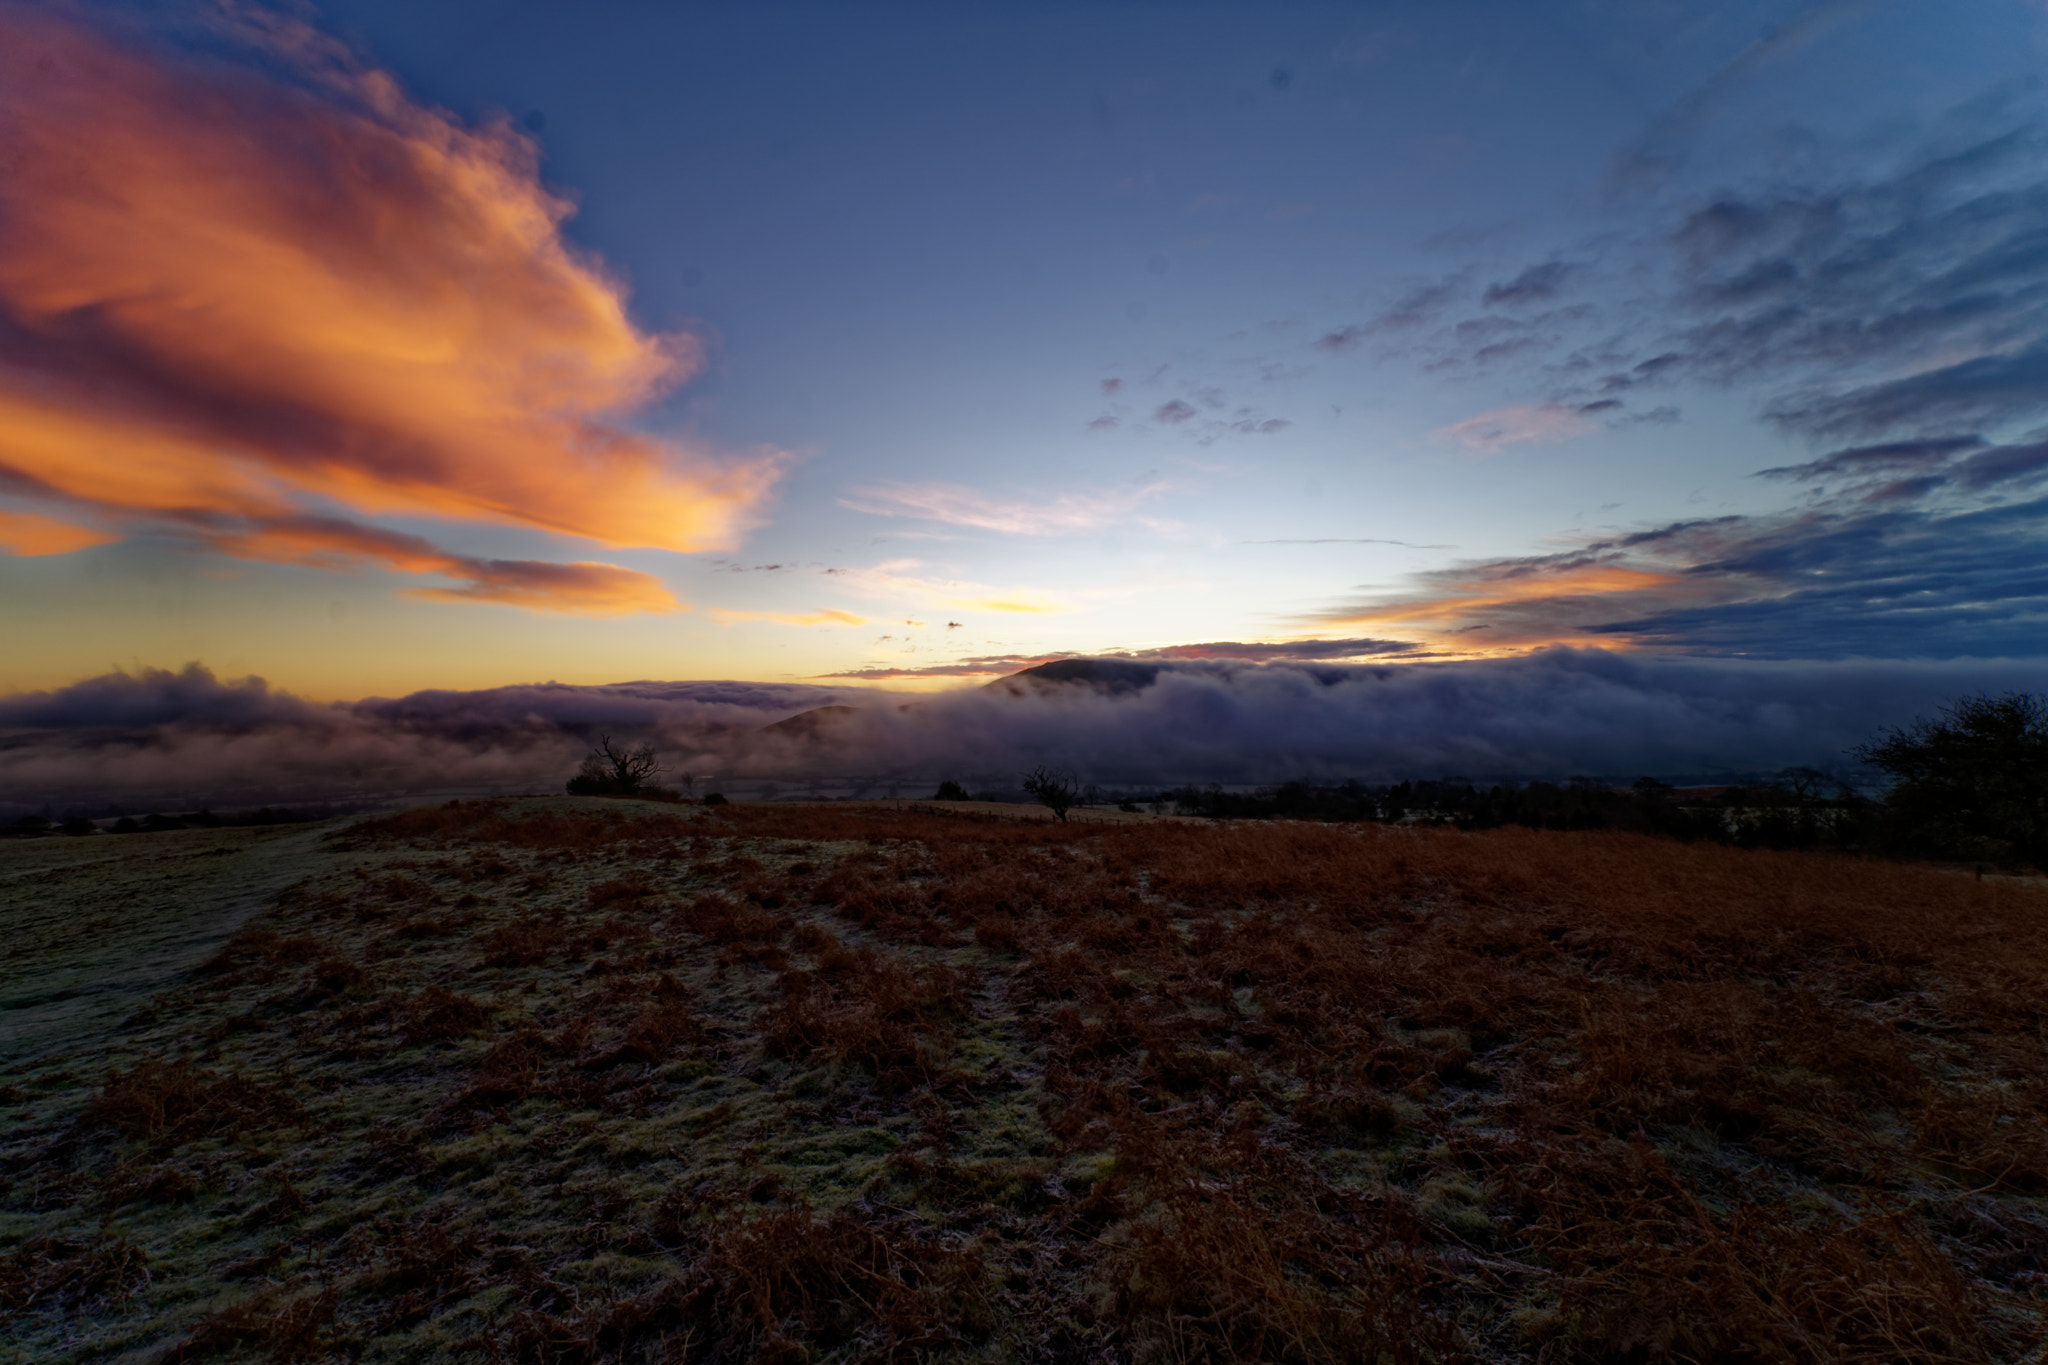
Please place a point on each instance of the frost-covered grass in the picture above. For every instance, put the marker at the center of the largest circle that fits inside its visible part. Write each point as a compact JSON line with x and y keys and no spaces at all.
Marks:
{"x":563,"y":1080}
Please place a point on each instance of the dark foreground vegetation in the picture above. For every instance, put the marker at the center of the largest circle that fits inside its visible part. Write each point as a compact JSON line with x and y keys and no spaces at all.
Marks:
{"x":1969,"y":785}
{"x":553,"y":1081}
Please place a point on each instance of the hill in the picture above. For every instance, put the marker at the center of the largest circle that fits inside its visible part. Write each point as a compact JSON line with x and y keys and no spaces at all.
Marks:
{"x":1116,"y":677}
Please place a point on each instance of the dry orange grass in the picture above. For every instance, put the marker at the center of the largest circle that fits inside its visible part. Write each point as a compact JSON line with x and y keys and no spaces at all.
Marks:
{"x":1156,"y":1091}
{"x":1711,"y":1104}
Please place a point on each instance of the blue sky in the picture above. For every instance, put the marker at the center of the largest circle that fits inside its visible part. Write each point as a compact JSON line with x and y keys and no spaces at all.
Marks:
{"x":1462,"y":329}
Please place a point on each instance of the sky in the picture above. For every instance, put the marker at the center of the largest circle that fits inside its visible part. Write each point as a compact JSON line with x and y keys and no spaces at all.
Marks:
{"x":376,"y":347}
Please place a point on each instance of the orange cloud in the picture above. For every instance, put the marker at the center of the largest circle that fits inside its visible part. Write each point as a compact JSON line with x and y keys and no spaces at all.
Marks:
{"x":226,"y":294}
{"x":24,"y":533}
{"x":1034,"y":606}
{"x":893,"y":581}
{"x":582,"y":588}
{"x":826,"y":617}
{"x":1512,"y":605}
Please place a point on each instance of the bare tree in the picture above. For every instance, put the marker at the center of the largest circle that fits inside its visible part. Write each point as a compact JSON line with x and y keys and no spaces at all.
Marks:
{"x":614,"y":770}
{"x":1057,"y":789}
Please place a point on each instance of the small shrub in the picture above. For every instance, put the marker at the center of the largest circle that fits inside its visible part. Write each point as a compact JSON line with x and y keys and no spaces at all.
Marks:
{"x":522,"y":944}
{"x":56,"y":1273}
{"x":171,"y":1102}
{"x":283,"y":1326}
{"x":438,"y":1013}
{"x":159,"y":1185}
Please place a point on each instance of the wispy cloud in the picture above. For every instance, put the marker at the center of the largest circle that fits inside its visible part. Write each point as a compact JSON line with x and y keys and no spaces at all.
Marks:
{"x":1493,"y":432}
{"x":903,"y":584}
{"x":1424,"y":303}
{"x":824,"y":617}
{"x":1350,"y":540}
{"x":1210,"y":417}
{"x":1232,"y":651}
{"x":238,"y":295}
{"x":1518,"y":603}
{"x":958,"y":506}
{"x":1536,"y":284}
{"x":28,"y":533}
{"x":1341,"y":339}
{"x":581,"y":588}
{"x":1883,"y":304}
{"x":1661,"y":148}
{"x":1016,"y":604}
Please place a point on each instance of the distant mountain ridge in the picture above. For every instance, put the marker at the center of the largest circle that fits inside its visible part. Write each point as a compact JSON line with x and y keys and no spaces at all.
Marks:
{"x":1114,"y":676}
{"x":808,"y":724}
{"x":1109,"y":677}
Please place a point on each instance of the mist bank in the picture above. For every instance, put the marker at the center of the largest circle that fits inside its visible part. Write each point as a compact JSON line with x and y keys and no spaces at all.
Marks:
{"x":158,"y":739}
{"x":187,"y":738}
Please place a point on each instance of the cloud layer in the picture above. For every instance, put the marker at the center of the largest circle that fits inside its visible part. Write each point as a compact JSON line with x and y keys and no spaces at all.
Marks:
{"x":1895,"y":317}
{"x":238,"y":298}
{"x":1924,"y":548}
{"x":183,"y":739}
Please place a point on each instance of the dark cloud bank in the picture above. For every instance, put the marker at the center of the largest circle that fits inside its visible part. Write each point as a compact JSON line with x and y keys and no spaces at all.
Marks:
{"x":159,"y":739}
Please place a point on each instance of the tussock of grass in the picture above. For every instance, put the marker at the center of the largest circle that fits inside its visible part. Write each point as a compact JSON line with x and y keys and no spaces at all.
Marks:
{"x":549,"y":1081}
{"x":166,"y":1103}
{"x":54,"y":1274}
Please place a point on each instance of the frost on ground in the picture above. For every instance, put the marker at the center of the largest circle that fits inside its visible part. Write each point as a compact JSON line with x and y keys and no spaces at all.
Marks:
{"x":556,"y":1080}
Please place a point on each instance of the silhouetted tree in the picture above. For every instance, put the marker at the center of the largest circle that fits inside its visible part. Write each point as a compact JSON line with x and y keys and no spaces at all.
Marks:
{"x":950,"y":790}
{"x":1977,"y":774}
{"x":613,"y":770}
{"x":1054,"y":788}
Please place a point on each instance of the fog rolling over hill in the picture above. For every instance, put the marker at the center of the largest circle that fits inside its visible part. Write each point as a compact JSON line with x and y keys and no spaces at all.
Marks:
{"x":187,"y":738}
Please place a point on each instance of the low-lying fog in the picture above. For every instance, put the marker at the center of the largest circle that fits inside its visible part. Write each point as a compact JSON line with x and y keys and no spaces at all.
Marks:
{"x":160,"y":740}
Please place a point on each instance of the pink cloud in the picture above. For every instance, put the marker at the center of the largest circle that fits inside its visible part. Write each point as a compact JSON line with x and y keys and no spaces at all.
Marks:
{"x":1492,"y":432}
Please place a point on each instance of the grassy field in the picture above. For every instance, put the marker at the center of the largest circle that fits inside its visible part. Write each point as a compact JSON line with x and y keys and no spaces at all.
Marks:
{"x":556,"y":1080}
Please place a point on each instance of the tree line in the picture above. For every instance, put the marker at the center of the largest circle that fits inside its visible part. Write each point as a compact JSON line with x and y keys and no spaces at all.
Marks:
{"x":1969,"y":784}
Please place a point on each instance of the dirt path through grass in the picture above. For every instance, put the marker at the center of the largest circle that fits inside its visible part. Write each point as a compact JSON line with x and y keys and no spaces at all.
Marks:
{"x":90,"y":928}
